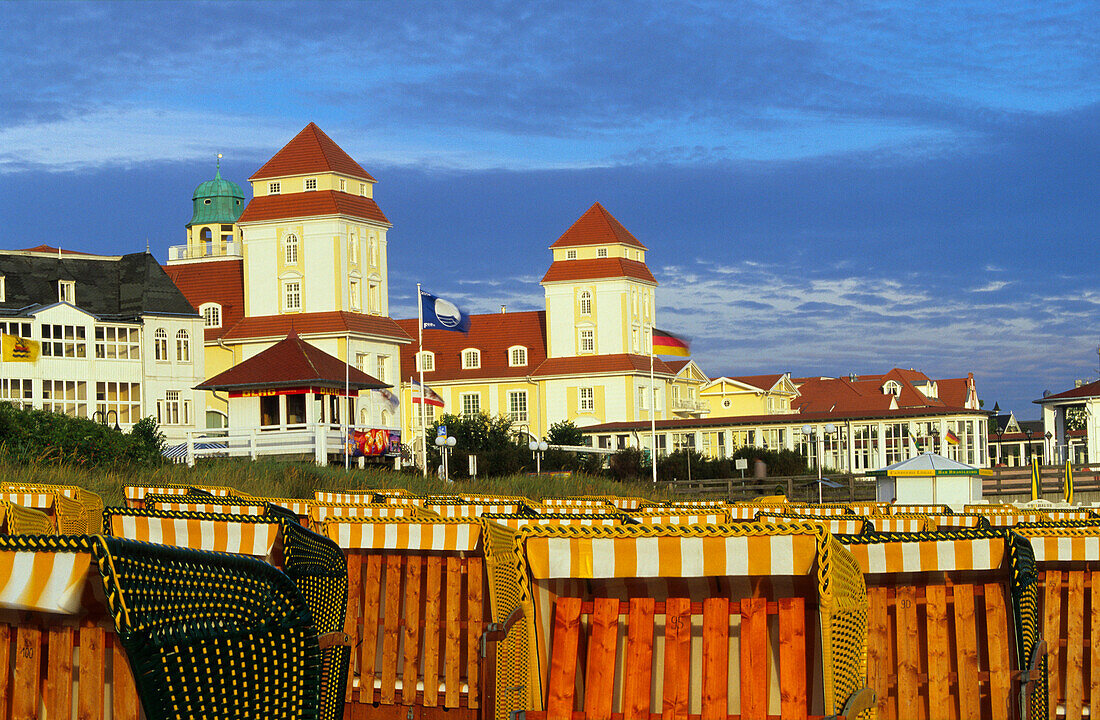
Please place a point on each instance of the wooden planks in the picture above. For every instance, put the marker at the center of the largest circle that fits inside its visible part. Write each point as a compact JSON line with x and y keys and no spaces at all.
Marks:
{"x":878,"y":628}
{"x":354,"y":562}
{"x":89,"y":702}
{"x":754,"y":659}
{"x":997,"y":651}
{"x":432,"y":598}
{"x":412,"y":631}
{"x":638,"y":666}
{"x":25,"y":682}
{"x":451,"y":660}
{"x":474,"y":574}
{"x":939,"y":664}
{"x":563,"y":661}
{"x":908,"y":651}
{"x":391,"y":618}
{"x":966,"y":652}
{"x":599,"y":675}
{"x":1052,"y":622}
{"x":792,"y":658}
{"x":125,"y":705}
{"x":368,"y":644}
{"x":677,"y":658}
{"x":1075,"y":644}
{"x":1094,"y":640}
{"x":716,"y":634}
{"x":59,"y":671}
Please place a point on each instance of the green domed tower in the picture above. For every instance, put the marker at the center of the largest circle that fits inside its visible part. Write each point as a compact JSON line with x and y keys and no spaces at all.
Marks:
{"x":217,"y":205}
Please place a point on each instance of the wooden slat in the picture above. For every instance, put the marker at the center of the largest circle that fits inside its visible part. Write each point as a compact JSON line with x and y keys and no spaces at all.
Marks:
{"x":1094,"y":640}
{"x":25,"y":686}
{"x":599,"y":674}
{"x":351,"y":618}
{"x":563,"y":661}
{"x":997,"y":649}
{"x":368,"y":647}
{"x":59,"y":671}
{"x":474,"y":577}
{"x":1075,"y":644}
{"x":89,"y":696}
{"x":431,"y":630}
{"x":5,"y":644}
{"x":1052,"y":630}
{"x":878,"y":640}
{"x":939,"y":665}
{"x":792,"y":658}
{"x":677,"y":658}
{"x":452,"y":662}
{"x":908,"y":667}
{"x":411,"y":668}
{"x":125,"y":701}
{"x":716,"y":647}
{"x":638,"y":666}
{"x":754,"y":659}
{"x":391,"y":619}
{"x":966,"y":652}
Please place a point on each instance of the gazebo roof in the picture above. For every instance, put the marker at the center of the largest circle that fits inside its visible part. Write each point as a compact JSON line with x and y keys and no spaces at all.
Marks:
{"x":927,"y":464}
{"x":291,"y":363}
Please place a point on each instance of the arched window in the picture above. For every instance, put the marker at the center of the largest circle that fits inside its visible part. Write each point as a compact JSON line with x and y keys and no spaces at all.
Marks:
{"x":183,"y":346}
{"x":586,"y":302}
{"x":160,"y":344}
{"x":291,"y":244}
{"x":384,"y":419}
{"x":211,"y":315}
{"x":891,"y":388}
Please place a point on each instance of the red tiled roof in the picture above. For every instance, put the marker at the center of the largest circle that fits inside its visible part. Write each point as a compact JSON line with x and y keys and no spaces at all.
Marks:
{"x":311,"y":151}
{"x":54,"y":251}
{"x":220,"y":281}
{"x":564,"y":270}
{"x":1087,"y":390}
{"x":596,"y":227}
{"x":309,"y":204}
{"x":291,"y":362}
{"x":677,"y":365}
{"x":764,"y":382}
{"x":953,"y":391}
{"x":838,"y":395}
{"x":777,"y":419}
{"x":266,"y":326}
{"x":591,"y":364}
{"x":492,"y":333}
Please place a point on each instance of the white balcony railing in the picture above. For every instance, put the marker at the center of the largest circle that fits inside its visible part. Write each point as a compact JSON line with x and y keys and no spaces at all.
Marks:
{"x":686,"y":405}
{"x":319,"y":440}
{"x":176,"y":253}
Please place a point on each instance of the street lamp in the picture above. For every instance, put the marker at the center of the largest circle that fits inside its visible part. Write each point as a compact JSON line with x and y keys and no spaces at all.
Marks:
{"x":819,"y":439}
{"x":1029,"y":432}
{"x":445,"y":444}
{"x":537,"y":447}
{"x":1050,"y":456}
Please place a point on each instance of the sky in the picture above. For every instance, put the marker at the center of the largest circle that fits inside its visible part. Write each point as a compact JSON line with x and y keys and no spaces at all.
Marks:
{"x":824,"y":187}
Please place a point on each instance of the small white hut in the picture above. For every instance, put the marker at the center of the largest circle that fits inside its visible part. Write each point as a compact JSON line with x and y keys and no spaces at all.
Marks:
{"x":930,"y":479}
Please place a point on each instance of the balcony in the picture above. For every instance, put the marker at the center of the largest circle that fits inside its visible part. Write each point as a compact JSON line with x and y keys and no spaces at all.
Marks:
{"x":205,"y":251}
{"x":689,"y":406}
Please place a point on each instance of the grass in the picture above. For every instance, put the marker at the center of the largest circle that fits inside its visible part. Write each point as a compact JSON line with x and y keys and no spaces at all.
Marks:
{"x":301,"y":480}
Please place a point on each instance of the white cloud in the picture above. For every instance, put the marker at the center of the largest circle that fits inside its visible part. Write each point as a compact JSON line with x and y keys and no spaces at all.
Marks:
{"x":991,"y":286}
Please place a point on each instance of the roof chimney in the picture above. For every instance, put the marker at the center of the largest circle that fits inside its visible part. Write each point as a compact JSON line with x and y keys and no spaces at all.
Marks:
{"x":503,"y":309}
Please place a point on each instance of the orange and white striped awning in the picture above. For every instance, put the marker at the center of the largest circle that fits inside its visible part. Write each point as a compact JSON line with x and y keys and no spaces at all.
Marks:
{"x":212,"y":508}
{"x":577,"y":510}
{"x":837,"y":525}
{"x":748,"y":512}
{"x":902,"y":523}
{"x":670,"y":555}
{"x":471,"y":510}
{"x":626,"y":503}
{"x":298,"y":507}
{"x":353,"y":498}
{"x":964,"y":520}
{"x":379,"y":534}
{"x":138,"y":492}
{"x":36,"y":500}
{"x":816,"y":511}
{"x":516,"y":521}
{"x":320,"y":513}
{"x":1071,"y":515}
{"x":239,"y":537}
{"x":929,"y":555}
{"x":710,"y":518}
{"x":1003,"y":520}
{"x":575,"y":502}
{"x":918,"y":509}
{"x":52,"y":582}
{"x":1066,"y":548}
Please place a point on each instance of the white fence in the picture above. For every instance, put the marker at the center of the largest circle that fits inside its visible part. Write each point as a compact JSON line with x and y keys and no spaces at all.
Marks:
{"x":319,"y":440}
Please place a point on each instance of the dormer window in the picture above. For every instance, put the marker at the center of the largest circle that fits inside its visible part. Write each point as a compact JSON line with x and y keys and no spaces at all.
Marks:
{"x":66,"y":291}
{"x":211,"y":315}
{"x":517,"y":356}
{"x":363,"y":189}
{"x":570,"y":254}
{"x":343,"y":185}
{"x":601,"y":252}
{"x":425,"y":360}
{"x":471,"y":359}
{"x":274,"y":188}
{"x":891,"y":387}
{"x":3,"y":290}
{"x":311,"y":184}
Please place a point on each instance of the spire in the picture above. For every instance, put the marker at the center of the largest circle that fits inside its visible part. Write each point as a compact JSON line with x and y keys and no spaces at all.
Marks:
{"x":218,"y":174}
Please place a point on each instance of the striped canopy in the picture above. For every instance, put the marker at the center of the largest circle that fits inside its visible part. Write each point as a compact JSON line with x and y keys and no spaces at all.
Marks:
{"x":399,"y":534}
{"x":929,"y":555}
{"x":53,"y":582}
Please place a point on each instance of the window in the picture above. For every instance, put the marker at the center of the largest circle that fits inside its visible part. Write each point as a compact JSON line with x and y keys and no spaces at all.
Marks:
{"x":311,"y":184}
{"x":891,"y":388}
{"x":117,"y":343}
{"x":471,"y":404}
{"x":588,"y":341}
{"x":428,"y":413}
{"x":66,"y":291}
{"x":183,"y":347}
{"x":634,"y":340}
{"x":570,"y":254}
{"x":517,"y":357}
{"x":172,"y":410}
{"x":291,"y":245}
{"x":587,"y":399}
{"x":601,"y":252}
{"x":383,"y":361}
{"x":65,"y":396}
{"x":64,"y":341}
{"x":373,"y":298}
{"x":353,"y":250}
{"x":585,"y":302}
{"x":17,"y":391}
{"x":292,"y":296}
{"x":361,"y":361}
{"x":425,"y":361}
{"x":118,"y":402}
{"x":343,"y":185}
{"x":517,"y":405}
{"x":274,"y":188}
{"x":363,"y":189}
{"x":3,"y":288}
{"x":16,"y":328}
{"x":471,"y":359}
{"x":727,"y":403}
{"x":355,"y":296}
{"x":211,"y":315}
{"x":160,"y":344}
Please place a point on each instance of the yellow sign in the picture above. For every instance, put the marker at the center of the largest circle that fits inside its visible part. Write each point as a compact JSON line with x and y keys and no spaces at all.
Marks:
{"x":19,"y":349}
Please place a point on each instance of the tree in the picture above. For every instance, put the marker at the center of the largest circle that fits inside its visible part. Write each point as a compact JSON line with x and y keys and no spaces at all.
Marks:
{"x":564,"y":432}
{"x":490,"y":438}
{"x":1075,"y":417}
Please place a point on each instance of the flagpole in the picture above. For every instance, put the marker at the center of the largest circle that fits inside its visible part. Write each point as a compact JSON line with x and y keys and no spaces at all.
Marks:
{"x":347,"y":395}
{"x":652,"y":413}
{"x":420,"y":365}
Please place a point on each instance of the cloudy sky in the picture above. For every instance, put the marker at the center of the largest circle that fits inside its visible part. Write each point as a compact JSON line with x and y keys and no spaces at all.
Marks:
{"x":825,"y":187}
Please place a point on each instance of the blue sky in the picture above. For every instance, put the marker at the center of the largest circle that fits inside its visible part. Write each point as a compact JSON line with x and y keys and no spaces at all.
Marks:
{"x":825,"y":187}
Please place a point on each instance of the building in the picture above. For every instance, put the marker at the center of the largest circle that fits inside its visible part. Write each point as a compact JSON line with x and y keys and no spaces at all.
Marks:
{"x":1071,"y":424}
{"x":584,"y":358}
{"x":305,"y":256}
{"x":118,"y":340}
{"x":876,"y":420}
{"x":750,"y":395}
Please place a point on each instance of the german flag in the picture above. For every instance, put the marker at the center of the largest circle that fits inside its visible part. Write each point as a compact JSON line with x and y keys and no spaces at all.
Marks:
{"x":951,"y":437}
{"x":665,"y":343}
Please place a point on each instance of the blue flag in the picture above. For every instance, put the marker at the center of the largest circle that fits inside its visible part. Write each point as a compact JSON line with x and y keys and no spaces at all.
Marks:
{"x":440,"y":314}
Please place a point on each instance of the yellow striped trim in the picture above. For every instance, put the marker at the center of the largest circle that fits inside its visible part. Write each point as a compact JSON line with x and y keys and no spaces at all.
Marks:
{"x":688,"y":520}
{"x":371,"y":534}
{"x":36,"y":500}
{"x":51,"y":582}
{"x":589,"y":520}
{"x":242,"y":538}
{"x":929,"y":556}
{"x":212,"y":508}
{"x":473,"y":510}
{"x":319,"y":513}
